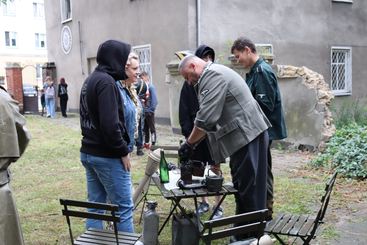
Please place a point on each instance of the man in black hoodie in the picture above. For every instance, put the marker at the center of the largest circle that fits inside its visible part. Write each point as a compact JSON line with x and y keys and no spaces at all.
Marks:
{"x":104,"y":151}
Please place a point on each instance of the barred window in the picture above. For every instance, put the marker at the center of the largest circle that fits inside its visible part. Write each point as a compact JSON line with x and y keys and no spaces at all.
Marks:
{"x":144,"y":53}
{"x":341,"y":70}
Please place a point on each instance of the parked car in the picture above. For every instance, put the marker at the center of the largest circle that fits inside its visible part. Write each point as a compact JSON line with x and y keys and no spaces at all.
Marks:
{"x":29,"y":90}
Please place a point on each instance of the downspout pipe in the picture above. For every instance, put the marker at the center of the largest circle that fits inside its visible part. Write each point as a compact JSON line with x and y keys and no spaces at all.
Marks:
{"x":198,"y":22}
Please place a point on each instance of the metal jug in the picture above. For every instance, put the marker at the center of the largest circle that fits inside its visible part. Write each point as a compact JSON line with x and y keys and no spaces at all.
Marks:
{"x":214,"y":183}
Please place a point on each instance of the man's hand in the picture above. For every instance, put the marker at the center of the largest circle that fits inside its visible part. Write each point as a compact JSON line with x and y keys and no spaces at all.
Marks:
{"x":126,"y":162}
{"x":185,"y":152}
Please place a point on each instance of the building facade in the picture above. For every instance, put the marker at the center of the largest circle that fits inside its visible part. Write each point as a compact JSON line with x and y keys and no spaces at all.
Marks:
{"x":23,"y":39}
{"x":326,"y":36}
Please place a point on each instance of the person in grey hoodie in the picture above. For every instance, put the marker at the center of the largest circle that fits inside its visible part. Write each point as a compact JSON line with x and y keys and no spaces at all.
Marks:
{"x":104,"y":150}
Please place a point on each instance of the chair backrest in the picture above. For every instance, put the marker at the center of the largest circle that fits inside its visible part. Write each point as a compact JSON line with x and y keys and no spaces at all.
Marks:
{"x":324,"y":203}
{"x":253,"y":222}
{"x":70,"y":211}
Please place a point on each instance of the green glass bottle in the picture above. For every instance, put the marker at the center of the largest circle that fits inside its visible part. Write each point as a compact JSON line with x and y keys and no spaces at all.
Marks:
{"x":163,"y":169}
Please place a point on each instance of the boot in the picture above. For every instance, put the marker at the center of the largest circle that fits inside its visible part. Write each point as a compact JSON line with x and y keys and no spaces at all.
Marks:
{"x":139,"y":151}
{"x":154,"y":138}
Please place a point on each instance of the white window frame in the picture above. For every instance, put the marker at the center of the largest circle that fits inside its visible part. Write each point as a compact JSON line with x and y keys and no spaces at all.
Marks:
{"x":347,"y":64}
{"x":38,"y":10}
{"x":343,"y":1}
{"x":264,"y":46}
{"x":9,"y":8}
{"x":11,"y":36}
{"x":39,"y":38}
{"x":145,"y":58}
{"x":66,"y":13}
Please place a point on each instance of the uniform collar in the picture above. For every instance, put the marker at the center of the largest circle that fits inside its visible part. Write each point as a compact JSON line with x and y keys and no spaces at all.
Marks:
{"x":256,"y":65}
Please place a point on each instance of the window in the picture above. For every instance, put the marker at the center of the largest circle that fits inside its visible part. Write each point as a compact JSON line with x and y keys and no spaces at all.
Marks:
{"x":343,"y":1}
{"x":65,"y":10}
{"x":265,"y":51}
{"x":38,"y":10}
{"x":2,"y":80}
{"x":40,"y":40}
{"x":10,"y":39}
{"x":8,"y":8}
{"x":38,"y":71}
{"x":341,"y":70}
{"x":144,"y":53}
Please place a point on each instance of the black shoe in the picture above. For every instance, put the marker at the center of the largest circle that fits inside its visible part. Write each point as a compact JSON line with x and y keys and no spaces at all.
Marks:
{"x":218,"y":214}
{"x":139,"y":152}
{"x":203,"y":208}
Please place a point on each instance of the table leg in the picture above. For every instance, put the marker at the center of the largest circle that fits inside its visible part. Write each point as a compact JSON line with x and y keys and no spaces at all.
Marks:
{"x":167,"y":219}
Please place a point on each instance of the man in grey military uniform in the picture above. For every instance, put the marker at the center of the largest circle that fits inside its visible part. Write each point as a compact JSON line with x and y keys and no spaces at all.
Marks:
{"x":235,"y":126}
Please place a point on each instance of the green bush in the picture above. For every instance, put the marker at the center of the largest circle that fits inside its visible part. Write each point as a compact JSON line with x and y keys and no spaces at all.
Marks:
{"x":350,"y":112}
{"x":346,"y":152}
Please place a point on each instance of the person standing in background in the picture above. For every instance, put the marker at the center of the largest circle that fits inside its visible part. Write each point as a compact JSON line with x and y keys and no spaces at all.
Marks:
{"x":129,"y":100}
{"x":50,"y":97}
{"x":141,"y":90}
{"x":151,"y":102}
{"x":43,"y":102}
{"x":13,"y":142}
{"x":104,"y":151}
{"x":264,"y":87}
{"x":63,"y":95}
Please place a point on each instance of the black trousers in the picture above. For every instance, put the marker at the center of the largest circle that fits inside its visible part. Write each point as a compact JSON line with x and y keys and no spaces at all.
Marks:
{"x":63,"y":103}
{"x":249,"y":167}
{"x":149,"y":127}
{"x":270,"y":183}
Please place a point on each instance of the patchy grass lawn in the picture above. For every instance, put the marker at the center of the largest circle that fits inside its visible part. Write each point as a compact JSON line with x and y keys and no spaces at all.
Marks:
{"x":50,"y":169}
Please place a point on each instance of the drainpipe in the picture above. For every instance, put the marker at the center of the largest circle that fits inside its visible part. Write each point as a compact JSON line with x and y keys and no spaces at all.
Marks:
{"x":198,"y":22}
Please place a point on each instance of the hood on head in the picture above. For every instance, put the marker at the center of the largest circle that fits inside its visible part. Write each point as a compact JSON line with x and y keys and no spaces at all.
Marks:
{"x":112,"y":58}
{"x":203,"y":51}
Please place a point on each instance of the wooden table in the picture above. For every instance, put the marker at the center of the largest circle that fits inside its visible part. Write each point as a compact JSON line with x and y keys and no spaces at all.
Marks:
{"x":176,"y":195}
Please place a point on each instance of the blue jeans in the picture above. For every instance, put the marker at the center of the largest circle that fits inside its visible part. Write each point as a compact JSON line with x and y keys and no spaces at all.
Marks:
{"x":108,"y":180}
{"x":50,"y":107}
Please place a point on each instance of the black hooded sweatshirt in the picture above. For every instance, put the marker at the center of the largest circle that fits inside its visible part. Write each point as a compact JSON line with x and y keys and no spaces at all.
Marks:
{"x":101,"y":112}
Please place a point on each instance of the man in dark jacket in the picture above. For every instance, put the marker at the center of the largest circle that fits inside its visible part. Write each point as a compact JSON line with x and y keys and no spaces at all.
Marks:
{"x":264,"y":87}
{"x":189,"y":106}
{"x":104,"y":151}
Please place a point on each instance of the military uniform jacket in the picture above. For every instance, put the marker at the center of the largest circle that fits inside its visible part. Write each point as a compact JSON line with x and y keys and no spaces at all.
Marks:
{"x":264,"y":87}
{"x":228,"y":112}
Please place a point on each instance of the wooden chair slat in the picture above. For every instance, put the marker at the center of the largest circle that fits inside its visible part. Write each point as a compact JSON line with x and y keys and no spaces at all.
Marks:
{"x":290,"y":224}
{"x":298,"y":225}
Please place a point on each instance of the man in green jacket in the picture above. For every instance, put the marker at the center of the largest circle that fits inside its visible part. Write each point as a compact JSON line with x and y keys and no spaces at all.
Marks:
{"x":264,"y":87}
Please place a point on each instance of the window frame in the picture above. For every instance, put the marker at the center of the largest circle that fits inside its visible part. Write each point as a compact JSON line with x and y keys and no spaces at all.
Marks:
{"x":38,"y":10}
{"x":145,"y":65}
{"x":348,"y":81}
{"x":9,"y":9}
{"x":64,"y":13}
{"x":38,"y":40}
{"x":10,"y":38}
{"x":342,"y":1}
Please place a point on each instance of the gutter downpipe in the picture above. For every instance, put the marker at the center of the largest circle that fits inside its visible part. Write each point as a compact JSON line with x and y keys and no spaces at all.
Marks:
{"x":198,"y":22}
